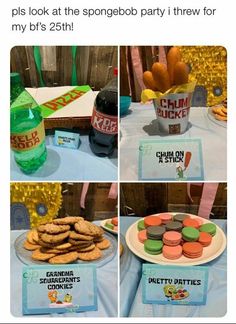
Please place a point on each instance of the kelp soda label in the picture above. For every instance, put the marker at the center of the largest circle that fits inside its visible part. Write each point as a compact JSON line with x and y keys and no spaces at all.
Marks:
{"x":106,"y":124}
{"x":28,"y":140}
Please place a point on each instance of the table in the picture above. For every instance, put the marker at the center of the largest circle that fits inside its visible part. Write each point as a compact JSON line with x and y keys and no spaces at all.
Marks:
{"x":130,"y":288}
{"x":106,"y":279}
{"x":64,"y":164}
{"x":140,"y":123}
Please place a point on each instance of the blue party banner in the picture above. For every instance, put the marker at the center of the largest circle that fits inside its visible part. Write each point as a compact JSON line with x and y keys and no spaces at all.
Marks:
{"x":170,"y":160}
{"x":176,"y":285}
{"x":59,"y":289}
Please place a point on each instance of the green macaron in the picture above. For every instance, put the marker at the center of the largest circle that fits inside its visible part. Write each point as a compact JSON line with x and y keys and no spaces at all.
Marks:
{"x":141,"y":225}
{"x":153,"y":246}
{"x":190,"y":234}
{"x":109,"y":225}
{"x":209,"y":228}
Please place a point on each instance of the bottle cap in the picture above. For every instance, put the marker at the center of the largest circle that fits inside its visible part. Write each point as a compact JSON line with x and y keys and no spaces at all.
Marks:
{"x":115,"y":71}
{"x":15,"y":77}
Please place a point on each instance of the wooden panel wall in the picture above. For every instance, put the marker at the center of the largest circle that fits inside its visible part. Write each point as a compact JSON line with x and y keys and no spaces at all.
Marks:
{"x":147,"y":198}
{"x":97,"y":204}
{"x":94,"y":65}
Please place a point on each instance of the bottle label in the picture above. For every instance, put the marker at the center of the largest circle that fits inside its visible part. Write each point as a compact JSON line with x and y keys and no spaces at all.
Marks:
{"x":28,"y":140}
{"x":104,"y":123}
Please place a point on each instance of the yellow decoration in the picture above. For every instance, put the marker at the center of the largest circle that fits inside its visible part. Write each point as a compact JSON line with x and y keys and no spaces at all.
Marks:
{"x":209,"y":68}
{"x":148,"y":94}
{"x":31,"y":194}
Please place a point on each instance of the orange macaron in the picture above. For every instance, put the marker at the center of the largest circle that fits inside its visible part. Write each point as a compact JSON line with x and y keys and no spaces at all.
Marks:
{"x":114,"y":221}
{"x":205,"y":239}
{"x":152,"y":221}
{"x":191,"y":222}
{"x":192,"y":250}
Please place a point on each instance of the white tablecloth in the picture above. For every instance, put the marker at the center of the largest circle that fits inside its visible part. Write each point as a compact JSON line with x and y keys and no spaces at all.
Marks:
{"x":140,"y":123}
{"x":64,"y":164}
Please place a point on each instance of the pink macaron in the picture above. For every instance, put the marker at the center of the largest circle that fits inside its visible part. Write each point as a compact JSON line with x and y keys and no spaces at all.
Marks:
{"x":172,"y":238}
{"x":165,"y":218}
{"x":172,"y":252}
{"x":142,"y":236}
{"x":199,"y":220}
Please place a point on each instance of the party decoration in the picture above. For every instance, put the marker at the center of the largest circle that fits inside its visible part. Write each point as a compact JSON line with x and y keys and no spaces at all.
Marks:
{"x":43,"y":200}
{"x":207,"y":65}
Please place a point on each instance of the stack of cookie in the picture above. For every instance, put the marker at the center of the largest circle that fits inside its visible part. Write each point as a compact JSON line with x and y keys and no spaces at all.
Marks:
{"x":220,"y":111}
{"x":66,"y":240}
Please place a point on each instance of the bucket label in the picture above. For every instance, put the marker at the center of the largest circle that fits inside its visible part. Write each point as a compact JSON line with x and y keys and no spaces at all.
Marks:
{"x":172,"y":111}
{"x":104,"y":123}
{"x":29,"y":140}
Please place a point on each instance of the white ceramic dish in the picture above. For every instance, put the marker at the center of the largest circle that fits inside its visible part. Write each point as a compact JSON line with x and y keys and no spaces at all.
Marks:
{"x":103,"y":223}
{"x":211,"y":252}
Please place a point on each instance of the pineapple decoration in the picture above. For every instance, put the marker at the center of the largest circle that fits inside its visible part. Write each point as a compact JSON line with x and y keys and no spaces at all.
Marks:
{"x":42,"y":200}
{"x":208,"y":66}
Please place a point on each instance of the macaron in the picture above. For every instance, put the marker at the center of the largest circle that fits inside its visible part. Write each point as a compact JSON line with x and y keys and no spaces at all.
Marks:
{"x":199,"y":220}
{"x":172,"y":252}
{"x":109,"y":225}
{"x":141,"y":225}
{"x":153,"y":246}
{"x":172,"y":238}
{"x":165,"y":218}
{"x":205,"y":239}
{"x":190,"y":234}
{"x":191,"y":222}
{"x":174,"y":226}
{"x":142,"y":236}
{"x":180,"y":217}
{"x":114,"y":221}
{"x":192,"y":250}
{"x":208,"y":228}
{"x":155,"y":232}
{"x":152,"y":221}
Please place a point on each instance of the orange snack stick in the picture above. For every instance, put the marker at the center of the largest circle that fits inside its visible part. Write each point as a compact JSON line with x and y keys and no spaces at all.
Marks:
{"x":149,"y":81}
{"x":187,"y":159}
{"x":161,"y":77}
{"x":173,"y":56}
{"x":180,"y":73}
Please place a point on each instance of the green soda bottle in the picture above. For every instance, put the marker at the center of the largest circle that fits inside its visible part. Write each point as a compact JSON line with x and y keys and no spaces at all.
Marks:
{"x":27,"y":128}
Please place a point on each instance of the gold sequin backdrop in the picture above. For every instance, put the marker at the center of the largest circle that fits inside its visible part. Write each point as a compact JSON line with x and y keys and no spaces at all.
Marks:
{"x":208,"y":65}
{"x":38,"y":195}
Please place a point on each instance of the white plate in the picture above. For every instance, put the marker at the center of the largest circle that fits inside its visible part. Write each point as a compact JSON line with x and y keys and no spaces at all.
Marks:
{"x":25,"y":255}
{"x":102,"y":224}
{"x":209,"y":253}
{"x":211,"y":116}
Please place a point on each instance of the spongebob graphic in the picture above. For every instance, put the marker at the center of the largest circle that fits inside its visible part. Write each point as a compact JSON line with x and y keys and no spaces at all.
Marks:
{"x":175,"y":293}
{"x":52,"y":295}
{"x":180,"y":169}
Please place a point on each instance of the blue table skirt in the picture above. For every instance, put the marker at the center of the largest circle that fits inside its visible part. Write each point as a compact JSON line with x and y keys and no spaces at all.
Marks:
{"x":130,"y":290}
{"x":106,"y":279}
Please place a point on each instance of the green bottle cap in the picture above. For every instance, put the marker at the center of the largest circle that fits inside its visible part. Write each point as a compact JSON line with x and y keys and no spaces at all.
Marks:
{"x":15,"y":78}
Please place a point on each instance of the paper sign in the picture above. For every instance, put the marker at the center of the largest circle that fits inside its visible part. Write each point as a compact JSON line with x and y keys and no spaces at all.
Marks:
{"x":172,"y":159}
{"x":174,"y":285}
{"x":66,"y":139}
{"x":59,"y":289}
